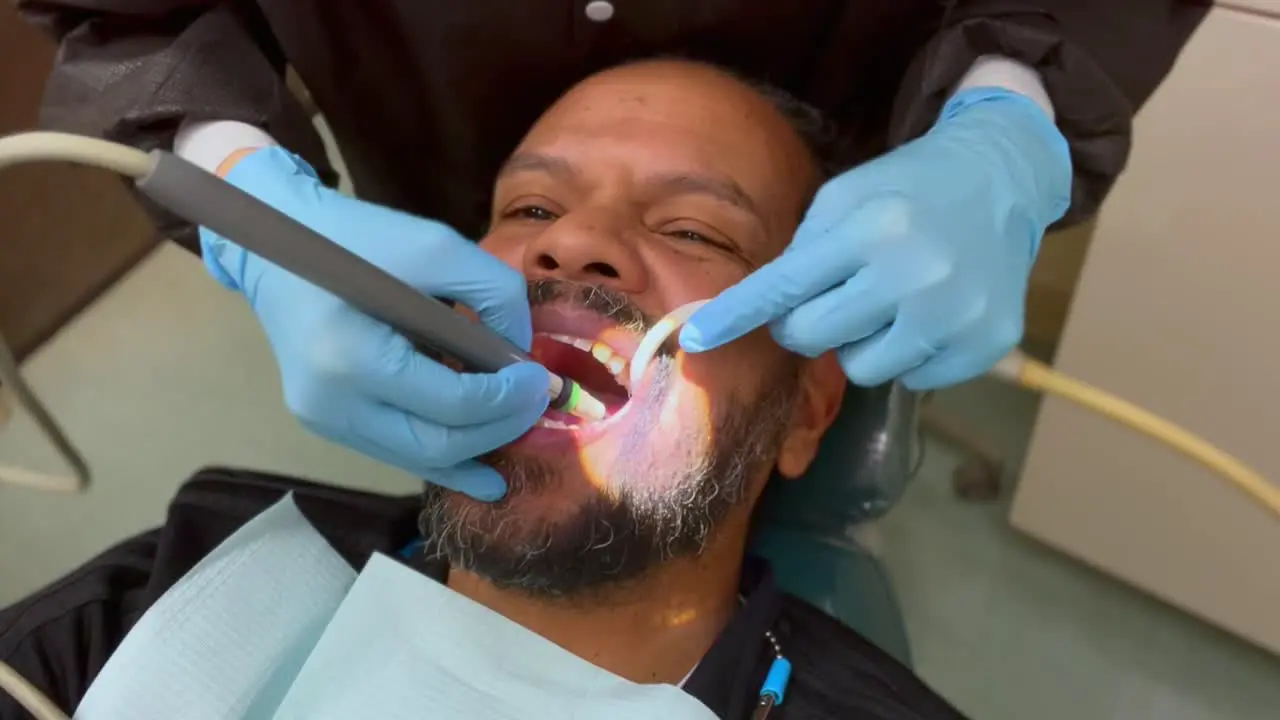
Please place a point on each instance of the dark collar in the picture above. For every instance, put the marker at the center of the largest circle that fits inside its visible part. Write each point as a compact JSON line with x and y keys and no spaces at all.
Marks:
{"x":729,"y":677}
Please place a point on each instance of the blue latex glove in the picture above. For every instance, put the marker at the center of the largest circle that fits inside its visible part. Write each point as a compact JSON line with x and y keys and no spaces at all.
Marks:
{"x":352,"y":379}
{"x":914,"y":265}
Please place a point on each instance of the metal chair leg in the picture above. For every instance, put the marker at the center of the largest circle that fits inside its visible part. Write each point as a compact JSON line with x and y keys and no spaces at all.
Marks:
{"x":6,"y":406}
{"x":78,"y":481}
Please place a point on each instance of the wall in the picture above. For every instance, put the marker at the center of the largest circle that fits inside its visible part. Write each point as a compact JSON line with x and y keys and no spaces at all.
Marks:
{"x":1052,"y":285}
{"x":1175,"y":310}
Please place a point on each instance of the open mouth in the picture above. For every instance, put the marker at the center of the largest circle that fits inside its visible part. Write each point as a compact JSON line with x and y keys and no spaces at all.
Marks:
{"x":600,"y":369}
{"x":597,"y":358}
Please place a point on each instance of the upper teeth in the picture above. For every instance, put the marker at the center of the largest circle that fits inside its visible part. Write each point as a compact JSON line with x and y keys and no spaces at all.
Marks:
{"x":602,"y":353}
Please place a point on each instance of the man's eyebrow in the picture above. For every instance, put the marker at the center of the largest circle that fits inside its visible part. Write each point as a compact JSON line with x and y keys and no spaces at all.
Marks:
{"x":722,"y":189}
{"x":537,"y":162}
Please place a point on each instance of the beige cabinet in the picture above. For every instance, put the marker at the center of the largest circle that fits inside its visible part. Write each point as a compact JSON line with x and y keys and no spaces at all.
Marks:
{"x":1178,"y":309}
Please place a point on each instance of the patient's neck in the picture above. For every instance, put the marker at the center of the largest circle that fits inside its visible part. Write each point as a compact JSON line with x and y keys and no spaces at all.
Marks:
{"x":652,"y":631}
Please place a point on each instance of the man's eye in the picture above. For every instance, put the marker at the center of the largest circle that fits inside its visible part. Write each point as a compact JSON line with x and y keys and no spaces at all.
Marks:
{"x":533,"y":212}
{"x":695,"y":237}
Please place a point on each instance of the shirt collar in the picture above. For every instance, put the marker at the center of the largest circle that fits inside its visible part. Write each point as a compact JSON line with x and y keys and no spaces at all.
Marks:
{"x":728,"y":678}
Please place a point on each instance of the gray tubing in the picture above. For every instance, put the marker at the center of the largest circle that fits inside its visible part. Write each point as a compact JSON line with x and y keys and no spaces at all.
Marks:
{"x":207,"y":200}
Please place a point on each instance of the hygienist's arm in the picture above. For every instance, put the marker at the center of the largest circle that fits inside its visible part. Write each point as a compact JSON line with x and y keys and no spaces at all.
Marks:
{"x":1097,"y":61}
{"x":213,"y":67}
{"x":1000,"y":71}
{"x":215,"y":145}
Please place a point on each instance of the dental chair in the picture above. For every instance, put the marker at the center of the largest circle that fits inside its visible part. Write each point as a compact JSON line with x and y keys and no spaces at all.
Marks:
{"x":805,"y":527}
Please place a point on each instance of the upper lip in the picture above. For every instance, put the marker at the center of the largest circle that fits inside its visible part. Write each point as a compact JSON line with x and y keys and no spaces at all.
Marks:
{"x":561,"y":319}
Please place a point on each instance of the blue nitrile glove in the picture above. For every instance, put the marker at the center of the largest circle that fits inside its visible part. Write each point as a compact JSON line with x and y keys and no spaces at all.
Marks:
{"x":352,"y":379}
{"x":914,"y":265}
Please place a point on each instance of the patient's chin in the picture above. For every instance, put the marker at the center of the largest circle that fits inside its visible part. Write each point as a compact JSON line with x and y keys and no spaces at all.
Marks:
{"x":529,"y":505}
{"x":563,"y":531}
{"x":539,"y":541}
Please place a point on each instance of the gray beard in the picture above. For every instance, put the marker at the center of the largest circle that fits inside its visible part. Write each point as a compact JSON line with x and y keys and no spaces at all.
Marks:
{"x":612,"y":541}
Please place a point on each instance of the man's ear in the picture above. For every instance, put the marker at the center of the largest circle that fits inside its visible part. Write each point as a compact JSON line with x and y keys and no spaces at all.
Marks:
{"x":822,"y":386}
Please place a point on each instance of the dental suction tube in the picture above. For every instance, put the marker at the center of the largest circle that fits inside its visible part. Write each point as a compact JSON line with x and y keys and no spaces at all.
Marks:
{"x":207,"y":200}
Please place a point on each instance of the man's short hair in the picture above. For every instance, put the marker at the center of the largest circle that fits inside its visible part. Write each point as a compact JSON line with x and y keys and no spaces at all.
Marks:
{"x":819,"y":134}
{"x":813,"y":127}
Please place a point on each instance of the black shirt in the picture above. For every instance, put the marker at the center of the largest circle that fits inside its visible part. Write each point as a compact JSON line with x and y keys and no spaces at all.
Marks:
{"x":61,"y":637}
{"x":426,"y":99}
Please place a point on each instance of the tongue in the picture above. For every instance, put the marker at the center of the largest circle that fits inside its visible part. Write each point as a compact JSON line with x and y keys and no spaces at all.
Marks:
{"x":570,"y":362}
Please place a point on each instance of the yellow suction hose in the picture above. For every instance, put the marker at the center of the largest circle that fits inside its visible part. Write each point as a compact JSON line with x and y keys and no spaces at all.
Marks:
{"x":1018,"y":369}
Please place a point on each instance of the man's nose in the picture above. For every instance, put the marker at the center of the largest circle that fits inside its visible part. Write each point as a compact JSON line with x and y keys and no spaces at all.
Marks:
{"x":588,"y":250}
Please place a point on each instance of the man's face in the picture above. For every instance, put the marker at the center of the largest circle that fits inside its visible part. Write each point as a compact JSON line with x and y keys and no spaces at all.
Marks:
{"x":643,"y":189}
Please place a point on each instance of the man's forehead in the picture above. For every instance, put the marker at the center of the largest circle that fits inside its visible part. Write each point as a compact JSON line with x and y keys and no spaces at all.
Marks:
{"x":680,"y":127}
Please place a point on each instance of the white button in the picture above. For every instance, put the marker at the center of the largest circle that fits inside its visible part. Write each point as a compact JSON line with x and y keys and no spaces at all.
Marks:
{"x":599,"y":10}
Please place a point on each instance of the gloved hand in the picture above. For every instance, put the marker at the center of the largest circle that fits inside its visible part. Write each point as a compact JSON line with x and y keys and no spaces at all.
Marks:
{"x":352,"y":379}
{"x":914,"y":265}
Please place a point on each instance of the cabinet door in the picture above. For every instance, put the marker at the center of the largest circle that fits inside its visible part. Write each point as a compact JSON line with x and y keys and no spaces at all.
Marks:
{"x":1178,"y":309}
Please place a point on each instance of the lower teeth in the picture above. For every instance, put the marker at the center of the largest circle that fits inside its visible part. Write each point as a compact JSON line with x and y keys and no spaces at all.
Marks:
{"x":554,"y":424}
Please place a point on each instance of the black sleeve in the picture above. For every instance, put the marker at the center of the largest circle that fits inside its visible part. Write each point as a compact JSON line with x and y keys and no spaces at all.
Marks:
{"x":132,"y":70}
{"x":837,"y":673}
{"x":1100,"y":60}
{"x":60,"y":638}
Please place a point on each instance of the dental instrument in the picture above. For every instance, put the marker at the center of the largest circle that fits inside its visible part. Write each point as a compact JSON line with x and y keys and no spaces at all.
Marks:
{"x":658,"y":334}
{"x":204,"y":199}
{"x":1019,"y":370}
{"x":207,"y":200}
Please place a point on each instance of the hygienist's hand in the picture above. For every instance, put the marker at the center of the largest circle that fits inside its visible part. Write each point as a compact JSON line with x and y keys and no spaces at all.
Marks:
{"x":352,"y":379}
{"x":915,"y":265}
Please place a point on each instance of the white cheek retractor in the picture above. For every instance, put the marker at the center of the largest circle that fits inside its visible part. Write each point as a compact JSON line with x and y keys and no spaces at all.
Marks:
{"x":657,"y":335}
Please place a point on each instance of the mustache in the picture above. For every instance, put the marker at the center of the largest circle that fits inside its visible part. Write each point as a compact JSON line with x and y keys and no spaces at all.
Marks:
{"x":613,"y":305}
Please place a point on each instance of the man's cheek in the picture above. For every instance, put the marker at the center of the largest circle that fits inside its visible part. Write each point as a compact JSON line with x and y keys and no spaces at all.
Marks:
{"x":506,"y":249}
{"x":657,"y":444}
{"x":732,"y":366}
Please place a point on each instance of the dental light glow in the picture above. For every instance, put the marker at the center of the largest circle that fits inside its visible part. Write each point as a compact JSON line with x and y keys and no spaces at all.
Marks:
{"x":585,"y":405}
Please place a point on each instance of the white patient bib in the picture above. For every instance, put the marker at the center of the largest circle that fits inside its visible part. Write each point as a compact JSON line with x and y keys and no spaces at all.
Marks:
{"x":275,"y":625}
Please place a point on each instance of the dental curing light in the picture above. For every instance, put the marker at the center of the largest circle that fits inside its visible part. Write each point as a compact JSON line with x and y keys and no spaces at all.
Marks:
{"x":207,"y":200}
{"x":1018,"y":369}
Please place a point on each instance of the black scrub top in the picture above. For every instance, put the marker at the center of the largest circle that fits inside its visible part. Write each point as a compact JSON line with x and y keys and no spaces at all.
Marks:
{"x":426,"y":98}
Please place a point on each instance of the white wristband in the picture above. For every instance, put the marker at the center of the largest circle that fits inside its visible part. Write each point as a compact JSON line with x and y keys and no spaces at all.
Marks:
{"x":207,"y":143}
{"x":1000,"y":71}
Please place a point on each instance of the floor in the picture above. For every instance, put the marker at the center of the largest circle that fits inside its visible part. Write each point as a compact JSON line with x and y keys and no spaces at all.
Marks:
{"x":1009,"y":629}
{"x":168,"y":372}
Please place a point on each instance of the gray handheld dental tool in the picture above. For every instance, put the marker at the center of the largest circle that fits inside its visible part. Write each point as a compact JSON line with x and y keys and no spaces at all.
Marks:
{"x":207,"y":200}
